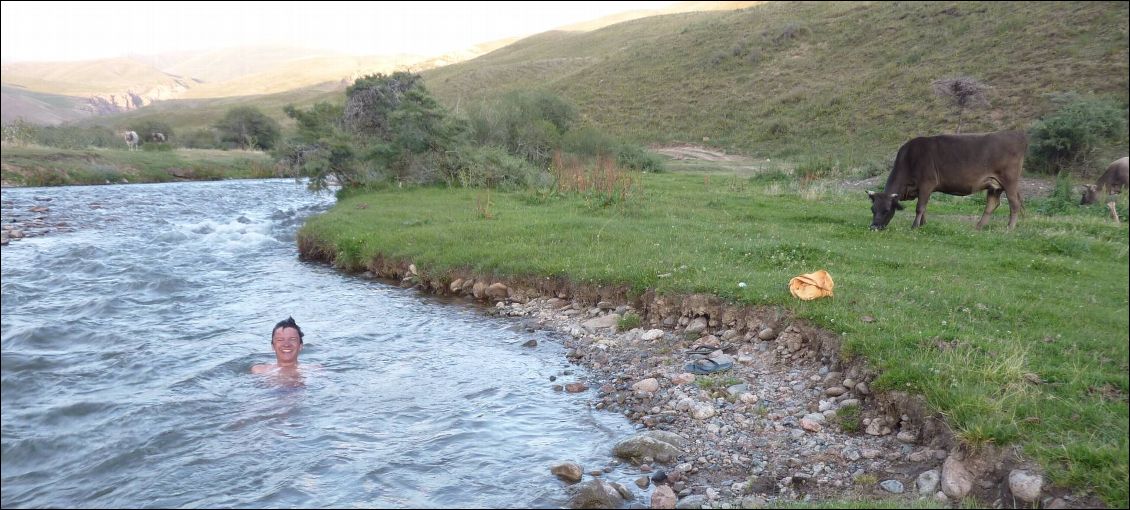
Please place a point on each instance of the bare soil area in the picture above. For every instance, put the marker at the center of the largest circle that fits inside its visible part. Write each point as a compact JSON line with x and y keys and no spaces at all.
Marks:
{"x":689,"y":156}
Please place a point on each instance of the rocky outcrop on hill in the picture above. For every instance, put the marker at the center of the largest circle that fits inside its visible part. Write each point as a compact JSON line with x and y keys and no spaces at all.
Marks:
{"x":108,"y":104}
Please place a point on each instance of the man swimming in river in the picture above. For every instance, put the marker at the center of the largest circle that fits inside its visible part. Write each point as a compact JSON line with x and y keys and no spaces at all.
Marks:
{"x":286,"y":340}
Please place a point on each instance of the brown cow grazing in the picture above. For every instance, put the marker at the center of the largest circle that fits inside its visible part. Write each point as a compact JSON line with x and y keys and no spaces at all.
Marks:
{"x":1111,"y":181}
{"x":956,"y":165}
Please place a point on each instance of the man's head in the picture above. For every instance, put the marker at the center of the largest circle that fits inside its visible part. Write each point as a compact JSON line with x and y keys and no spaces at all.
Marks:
{"x":286,"y":339}
{"x":288,"y":323}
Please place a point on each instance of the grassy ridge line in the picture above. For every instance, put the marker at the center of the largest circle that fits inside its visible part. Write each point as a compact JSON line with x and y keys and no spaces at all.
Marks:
{"x":45,"y":166}
{"x":788,"y":78}
{"x":963,"y":317}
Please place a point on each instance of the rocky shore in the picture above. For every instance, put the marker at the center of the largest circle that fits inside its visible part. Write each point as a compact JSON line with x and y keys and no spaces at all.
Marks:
{"x":782,"y":418}
{"x":24,"y":220}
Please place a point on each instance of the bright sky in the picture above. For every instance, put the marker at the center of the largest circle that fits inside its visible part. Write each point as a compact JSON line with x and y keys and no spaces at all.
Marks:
{"x":91,"y":30}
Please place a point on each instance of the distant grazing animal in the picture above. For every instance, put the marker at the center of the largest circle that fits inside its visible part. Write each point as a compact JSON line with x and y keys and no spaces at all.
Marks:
{"x":157,"y":137}
{"x":1112,"y":181}
{"x":131,"y":139}
{"x":956,"y":165}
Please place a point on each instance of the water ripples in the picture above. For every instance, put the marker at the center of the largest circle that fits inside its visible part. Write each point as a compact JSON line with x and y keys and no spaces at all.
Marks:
{"x":126,"y":352}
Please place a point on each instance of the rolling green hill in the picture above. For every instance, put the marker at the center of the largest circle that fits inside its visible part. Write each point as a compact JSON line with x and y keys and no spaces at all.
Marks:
{"x":850,"y":80}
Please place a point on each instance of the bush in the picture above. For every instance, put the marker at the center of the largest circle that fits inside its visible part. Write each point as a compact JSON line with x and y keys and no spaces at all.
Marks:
{"x":146,"y":130}
{"x":20,"y":132}
{"x":199,"y":139}
{"x":529,"y":124}
{"x":588,"y":141}
{"x":493,"y":167}
{"x":636,"y":158}
{"x":1067,"y":138}
{"x":246,"y":127}
{"x":72,"y":137}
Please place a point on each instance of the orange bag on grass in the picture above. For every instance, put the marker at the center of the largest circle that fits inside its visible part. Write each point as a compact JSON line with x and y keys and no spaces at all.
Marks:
{"x":812,"y":285}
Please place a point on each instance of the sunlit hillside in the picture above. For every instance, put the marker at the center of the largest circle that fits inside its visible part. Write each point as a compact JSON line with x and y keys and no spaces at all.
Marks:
{"x":846,"y":79}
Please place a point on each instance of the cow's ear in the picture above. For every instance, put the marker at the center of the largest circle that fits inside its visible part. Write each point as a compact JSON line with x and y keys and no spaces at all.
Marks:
{"x":871,"y":195}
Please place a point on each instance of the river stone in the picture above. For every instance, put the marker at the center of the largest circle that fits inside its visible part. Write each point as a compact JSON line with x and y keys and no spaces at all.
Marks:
{"x":698,"y":325}
{"x":649,"y":385}
{"x":497,"y":291}
{"x":649,"y":445}
{"x":604,"y":321}
{"x":1025,"y":486}
{"x":956,"y":480}
{"x":569,"y":471}
{"x":663,"y":497}
{"x":652,"y":334}
{"x":927,"y":482}
{"x":575,"y":387}
{"x":694,"y":501}
{"x":892,"y":486}
{"x":594,"y":494}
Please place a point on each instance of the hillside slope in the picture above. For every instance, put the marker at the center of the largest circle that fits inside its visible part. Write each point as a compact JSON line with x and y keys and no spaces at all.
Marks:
{"x":845,"y":79}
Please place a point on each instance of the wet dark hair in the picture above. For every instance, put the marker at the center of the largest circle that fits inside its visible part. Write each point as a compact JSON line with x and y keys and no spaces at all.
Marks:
{"x":288,"y":323}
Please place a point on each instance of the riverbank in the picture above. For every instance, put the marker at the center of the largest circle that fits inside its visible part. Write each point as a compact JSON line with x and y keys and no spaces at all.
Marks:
{"x":791,"y":420}
{"x":978,"y":326}
{"x":48,"y":166}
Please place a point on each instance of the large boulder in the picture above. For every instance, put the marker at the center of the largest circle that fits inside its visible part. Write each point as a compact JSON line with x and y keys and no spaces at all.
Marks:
{"x":594,"y":494}
{"x":653,"y":445}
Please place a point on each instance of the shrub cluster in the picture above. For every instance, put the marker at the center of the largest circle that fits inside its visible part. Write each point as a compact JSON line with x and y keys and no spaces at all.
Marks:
{"x":1066,"y":139}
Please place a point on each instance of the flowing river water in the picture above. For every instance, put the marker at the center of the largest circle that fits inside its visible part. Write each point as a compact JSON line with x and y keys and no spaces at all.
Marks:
{"x":128,"y":339}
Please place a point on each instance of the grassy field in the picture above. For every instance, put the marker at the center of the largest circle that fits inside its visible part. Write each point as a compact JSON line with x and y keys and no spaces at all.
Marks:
{"x":45,"y":166}
{"x":1016,"y":337}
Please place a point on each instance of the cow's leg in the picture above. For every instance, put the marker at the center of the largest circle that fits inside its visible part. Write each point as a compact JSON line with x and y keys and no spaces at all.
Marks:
{"x":992,"y":200}
{"x":1015,"y":205}
{"x":920,"y":210}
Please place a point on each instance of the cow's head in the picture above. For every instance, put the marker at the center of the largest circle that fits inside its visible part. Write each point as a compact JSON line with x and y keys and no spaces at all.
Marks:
{"x":1090,"y":194}
{"x":883,"y":207}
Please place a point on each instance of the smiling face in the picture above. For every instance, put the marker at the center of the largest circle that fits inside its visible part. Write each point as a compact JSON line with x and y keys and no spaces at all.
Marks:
{"x":287,"y":344}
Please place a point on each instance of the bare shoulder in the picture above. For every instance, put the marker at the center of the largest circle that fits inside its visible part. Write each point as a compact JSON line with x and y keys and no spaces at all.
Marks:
{"x":261,"y":368}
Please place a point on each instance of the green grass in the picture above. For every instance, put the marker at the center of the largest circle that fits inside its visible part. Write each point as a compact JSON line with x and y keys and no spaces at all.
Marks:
{"x":962,"y":316}
{"x":628,"y":321}
{"x":45,"y":166}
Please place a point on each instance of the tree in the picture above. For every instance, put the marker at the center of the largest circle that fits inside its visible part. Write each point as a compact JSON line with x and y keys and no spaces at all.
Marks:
{"x":962,"y":93}
{"x":248,"y":128}
{"x":372,"y":98}
{"x":146,"y":129}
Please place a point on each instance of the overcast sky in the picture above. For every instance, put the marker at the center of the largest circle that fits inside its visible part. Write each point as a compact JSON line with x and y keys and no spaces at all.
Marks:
{"x":91,"y":30}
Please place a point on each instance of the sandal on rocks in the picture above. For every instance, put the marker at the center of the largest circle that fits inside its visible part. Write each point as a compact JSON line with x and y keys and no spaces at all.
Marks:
{"x":701,"y":350}
{"x":708,"y":366}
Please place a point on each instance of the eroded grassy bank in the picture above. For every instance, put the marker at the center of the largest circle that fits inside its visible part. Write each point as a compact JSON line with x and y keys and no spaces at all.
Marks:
{"x":1016,"y":337}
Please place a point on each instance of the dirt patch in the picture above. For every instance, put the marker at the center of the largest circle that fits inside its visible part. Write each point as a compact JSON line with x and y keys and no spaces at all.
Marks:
{"x":1030,"y":186}
{"x":682,"y":152}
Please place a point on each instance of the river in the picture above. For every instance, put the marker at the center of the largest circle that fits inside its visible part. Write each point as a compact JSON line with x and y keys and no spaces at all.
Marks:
{"x":129,"y":334}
